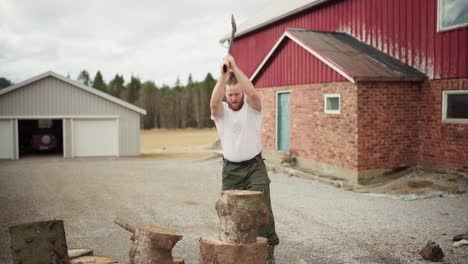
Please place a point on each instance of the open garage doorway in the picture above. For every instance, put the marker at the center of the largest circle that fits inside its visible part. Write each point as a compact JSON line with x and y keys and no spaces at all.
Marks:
{"x":40,"y":137}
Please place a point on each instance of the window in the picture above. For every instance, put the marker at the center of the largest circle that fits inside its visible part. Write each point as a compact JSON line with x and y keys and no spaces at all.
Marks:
{"x":331,"y":103}
{"x":455,"y":106}
{"x":452,"y":14}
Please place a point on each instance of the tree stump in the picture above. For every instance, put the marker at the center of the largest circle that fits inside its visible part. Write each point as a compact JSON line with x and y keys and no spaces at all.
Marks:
{"x":93,"y":260}
{"x":39,"y":242}
{"x":153,"y":244}
{"x":241,"y":213}
{"x":214,"y":251}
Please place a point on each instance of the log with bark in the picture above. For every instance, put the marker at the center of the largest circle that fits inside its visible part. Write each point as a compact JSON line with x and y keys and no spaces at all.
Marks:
{"x":93,"y":260}
{"x":79,"y":252}
{"x":241,"y":213}
{"x":214,"y":251}
{"x":151,"y":244}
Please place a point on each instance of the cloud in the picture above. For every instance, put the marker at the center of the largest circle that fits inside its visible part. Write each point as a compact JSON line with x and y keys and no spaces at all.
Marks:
{"x":155,"y":40}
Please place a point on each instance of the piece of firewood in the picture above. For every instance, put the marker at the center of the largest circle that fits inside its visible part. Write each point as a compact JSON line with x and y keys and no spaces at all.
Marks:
{"x":93,"y":260}
{"x":125,"y":225}
{"x":213,"y":250}
{"x":79,"y":252}
{"x":153,"y":244}
{"x":241,"y":213}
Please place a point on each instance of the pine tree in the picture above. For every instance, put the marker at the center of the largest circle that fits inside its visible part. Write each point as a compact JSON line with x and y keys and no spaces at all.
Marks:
{"x":84,"y":78}
{"x":116,"y":86}
{"x":99,"y":82}
{"x":4,"y":82}
{"x":133,"y":89}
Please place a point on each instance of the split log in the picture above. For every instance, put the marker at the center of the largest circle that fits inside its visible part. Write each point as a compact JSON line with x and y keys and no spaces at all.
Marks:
{"x":214,"y":251}
{"x":241,"y":213}
{"x":153,"y":244}
{"x":79,"y":252}
{"x":93,"y":260}
{"x":178,"y":260}
{"x":39,"y":242}
{"x":125,"y":225}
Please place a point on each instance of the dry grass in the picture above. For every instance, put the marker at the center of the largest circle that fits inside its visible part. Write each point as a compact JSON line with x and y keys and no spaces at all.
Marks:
{"x":188,"y":143}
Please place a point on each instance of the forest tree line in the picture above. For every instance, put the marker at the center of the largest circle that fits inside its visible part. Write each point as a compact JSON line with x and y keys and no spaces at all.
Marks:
{"x":177,"y":106}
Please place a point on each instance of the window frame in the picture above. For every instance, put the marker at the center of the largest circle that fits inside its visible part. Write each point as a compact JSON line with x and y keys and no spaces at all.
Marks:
{"x":333,"y":112}
{"x":444,"y":107}
{"x":440,"y":28}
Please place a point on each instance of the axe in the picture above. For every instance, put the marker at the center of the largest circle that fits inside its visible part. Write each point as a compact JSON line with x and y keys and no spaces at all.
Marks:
{"x":231,"y":40}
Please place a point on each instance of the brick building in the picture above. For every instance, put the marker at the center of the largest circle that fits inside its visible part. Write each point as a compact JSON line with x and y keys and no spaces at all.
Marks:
{"x":360,"y":88}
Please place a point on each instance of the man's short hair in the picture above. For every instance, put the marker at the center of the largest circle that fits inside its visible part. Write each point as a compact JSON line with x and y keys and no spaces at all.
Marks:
{"x":232,"y":79}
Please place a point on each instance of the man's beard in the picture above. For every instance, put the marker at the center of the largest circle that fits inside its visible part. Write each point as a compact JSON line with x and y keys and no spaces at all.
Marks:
{"x":237,"y":106}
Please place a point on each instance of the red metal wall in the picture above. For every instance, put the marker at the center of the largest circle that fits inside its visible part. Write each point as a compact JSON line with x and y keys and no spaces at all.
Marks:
{"x":404,"y":29}
{"x":293,"y":64}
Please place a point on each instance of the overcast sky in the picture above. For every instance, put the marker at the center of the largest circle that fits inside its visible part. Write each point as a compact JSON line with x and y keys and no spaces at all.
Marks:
{"x":153,"y":39}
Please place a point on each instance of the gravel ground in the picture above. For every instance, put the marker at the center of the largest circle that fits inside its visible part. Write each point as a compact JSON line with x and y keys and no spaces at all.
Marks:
{"x":316,"y":223}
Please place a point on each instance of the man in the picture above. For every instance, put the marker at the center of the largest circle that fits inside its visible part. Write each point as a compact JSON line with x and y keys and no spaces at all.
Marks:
{"x":239,"y":126}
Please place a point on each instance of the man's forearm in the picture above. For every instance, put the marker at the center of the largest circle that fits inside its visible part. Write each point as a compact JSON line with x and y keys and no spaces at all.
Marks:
{"x":245,"y":84}
{"x":253,"y":98}
{"x":217,"y":96}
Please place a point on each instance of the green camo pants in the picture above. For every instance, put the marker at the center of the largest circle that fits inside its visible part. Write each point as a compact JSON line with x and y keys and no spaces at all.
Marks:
{"x":253,"y":177}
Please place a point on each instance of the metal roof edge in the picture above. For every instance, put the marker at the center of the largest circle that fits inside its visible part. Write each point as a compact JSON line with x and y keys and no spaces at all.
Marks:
{"x":76,"y":84}
{"x":275,"y":19}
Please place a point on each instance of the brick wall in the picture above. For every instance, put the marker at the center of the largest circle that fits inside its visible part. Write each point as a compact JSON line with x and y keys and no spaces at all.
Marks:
{"x":444,"y":146}
{"x":387,"y":125}
{"x":383,"y":125}
{"x":317,"y":136}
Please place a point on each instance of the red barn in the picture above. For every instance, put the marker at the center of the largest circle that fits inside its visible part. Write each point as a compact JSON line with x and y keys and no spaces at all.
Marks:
{"x":360,"y":88}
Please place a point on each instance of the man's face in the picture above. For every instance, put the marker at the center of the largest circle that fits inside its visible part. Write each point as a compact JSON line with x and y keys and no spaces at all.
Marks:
{"x":234,"y":96}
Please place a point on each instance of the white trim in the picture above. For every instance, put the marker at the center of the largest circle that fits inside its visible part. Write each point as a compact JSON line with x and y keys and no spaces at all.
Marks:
{"x":59,"y":117}
{"x":444,"y":108}
{"x":334,"y":112}
{"x":12,"y":128}
{"x":276,"y":117}
{"x":76,"y":84}
{"x":440,"y":28}
{"x":118,"y":137}
{"x":72,"y":136}
{"x":16,"y":135}
{"x":309,"y":49}
{"x":64,"y":150}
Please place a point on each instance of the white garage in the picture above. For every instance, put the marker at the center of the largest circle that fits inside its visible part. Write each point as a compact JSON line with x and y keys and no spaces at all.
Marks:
{"x":51,"y":114}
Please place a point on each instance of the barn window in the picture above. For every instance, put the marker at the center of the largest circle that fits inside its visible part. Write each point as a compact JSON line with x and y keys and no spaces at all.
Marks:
{"x":455,"y":106}
{"x":452,"y":14}
{"x":331,"y":103}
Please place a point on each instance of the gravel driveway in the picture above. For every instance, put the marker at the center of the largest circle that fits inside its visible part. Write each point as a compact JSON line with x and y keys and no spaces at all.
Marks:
{"x":316,"y":223}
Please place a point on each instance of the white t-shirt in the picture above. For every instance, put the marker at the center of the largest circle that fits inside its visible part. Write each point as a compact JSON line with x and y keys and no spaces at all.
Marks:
{"x":240,"y":132}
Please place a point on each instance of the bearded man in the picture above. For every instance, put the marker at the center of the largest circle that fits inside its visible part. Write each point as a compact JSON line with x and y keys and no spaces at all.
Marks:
{"x":239,"y":125}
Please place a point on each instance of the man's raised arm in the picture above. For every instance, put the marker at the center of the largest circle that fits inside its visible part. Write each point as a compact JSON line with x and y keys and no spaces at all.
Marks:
{"x":253,"y":98}
{"x":216,"y":102}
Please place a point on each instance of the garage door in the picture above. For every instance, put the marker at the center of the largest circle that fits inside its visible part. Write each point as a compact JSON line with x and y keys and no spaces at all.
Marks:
{"x":95,"y":137}
{"x":7,"y":139}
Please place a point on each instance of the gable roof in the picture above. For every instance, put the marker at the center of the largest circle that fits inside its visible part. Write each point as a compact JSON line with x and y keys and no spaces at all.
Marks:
{"x":76,"y":84}
{"x":353,"y":59}
{"x":274,"y":11}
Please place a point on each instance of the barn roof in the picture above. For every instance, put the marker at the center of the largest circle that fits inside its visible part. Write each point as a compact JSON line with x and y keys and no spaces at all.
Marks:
{"x":353,"y":59}
{"x":76,"y":84}
{"x":274,"y":11}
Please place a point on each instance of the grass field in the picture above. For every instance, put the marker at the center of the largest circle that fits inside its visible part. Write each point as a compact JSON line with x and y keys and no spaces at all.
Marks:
{"x":192,"y":143}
